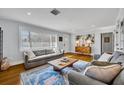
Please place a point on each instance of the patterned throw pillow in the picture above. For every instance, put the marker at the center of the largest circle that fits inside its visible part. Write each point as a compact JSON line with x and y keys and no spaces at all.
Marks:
{"x":103,"y":73}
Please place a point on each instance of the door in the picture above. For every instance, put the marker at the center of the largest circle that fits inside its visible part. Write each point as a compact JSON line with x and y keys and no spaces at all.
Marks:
{"x":107,"y":42}
{"x":66,"y":43}
{"x":1,"y":43}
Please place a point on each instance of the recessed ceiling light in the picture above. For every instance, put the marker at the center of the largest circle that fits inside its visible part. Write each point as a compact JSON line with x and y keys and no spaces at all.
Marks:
{"x":28,"y":13}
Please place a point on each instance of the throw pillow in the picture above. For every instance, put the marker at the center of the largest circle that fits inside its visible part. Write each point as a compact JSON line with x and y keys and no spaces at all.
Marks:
{"x":103,"y":73}
{"x":57,"y":51}
{"x":105,"y":57}
{"x":115,"y":55}
{"x":30,"y":54}
{"x":119,"y":59}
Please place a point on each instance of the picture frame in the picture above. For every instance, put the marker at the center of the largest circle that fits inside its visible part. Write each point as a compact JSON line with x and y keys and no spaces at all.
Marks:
{"x":106,"y":39}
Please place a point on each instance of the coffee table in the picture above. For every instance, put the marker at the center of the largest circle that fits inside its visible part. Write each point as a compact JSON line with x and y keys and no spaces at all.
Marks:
{"x":59,"y":65}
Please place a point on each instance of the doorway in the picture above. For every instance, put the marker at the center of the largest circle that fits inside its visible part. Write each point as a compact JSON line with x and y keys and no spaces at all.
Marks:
{"x":107,"y":42}
{"x":1,"y":43}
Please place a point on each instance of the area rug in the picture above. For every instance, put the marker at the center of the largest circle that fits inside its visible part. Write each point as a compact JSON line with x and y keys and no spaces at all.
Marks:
{"x":44,"y":75}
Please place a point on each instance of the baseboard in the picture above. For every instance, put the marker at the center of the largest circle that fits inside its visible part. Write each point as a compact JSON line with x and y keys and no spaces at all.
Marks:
{"x":16,"y":62}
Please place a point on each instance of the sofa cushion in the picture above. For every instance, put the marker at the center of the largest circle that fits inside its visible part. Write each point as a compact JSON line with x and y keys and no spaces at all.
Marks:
{"x":103,"y":73}
{"x":39,"y":52}
{"x":76,"y":78}
{"x":119,"y":80}
{"x":105,"y":57}
{"x":49,"y":51}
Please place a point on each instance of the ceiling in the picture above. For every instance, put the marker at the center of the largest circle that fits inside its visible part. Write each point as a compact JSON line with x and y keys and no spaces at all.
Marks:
{"x":69,"y":20}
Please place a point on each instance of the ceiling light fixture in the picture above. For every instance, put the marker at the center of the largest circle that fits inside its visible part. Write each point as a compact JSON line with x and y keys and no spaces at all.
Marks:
{"x":55,"y":11}
{"x":93,"y":25}
{"x":28,"y":13}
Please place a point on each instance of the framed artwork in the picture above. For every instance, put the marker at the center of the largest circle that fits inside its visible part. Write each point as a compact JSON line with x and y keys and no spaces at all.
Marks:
{"x":85,"y":40}
{"x":106,"y":39}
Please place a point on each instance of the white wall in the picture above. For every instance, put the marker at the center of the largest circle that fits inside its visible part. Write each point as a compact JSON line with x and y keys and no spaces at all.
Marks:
{"x":97,"y":46}
{"x":11,"y":39}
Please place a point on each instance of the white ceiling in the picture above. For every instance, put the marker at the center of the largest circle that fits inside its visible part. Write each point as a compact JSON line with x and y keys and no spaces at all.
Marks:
{"x":69,"y":20}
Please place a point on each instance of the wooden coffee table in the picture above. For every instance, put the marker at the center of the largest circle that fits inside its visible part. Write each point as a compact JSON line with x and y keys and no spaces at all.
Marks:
{"x":59,"y":65}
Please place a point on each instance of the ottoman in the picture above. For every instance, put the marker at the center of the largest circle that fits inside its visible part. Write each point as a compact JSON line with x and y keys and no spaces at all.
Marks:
{"x":81,"y":65}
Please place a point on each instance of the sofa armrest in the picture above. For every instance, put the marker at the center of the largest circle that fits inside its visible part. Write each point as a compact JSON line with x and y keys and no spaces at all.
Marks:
{"x":76,"y":78}
{"x":96,"y":56}
{"x":26,"y":57}
{"x":102,"y":63}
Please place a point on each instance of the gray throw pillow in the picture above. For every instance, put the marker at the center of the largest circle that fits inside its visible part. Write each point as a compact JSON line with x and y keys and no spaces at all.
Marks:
{"x":120,"y":59}
{"x":115,"y":55}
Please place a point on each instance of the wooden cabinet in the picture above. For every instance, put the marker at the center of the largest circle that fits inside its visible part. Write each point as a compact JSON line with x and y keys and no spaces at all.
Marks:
{"x":83,"y":49}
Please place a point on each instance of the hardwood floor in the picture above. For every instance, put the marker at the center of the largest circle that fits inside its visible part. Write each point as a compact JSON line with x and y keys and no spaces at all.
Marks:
{"x":12,"y":75}
{"x":83,"y":57}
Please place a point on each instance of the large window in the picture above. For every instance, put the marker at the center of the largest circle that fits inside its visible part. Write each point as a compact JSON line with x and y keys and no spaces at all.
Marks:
{"x":35,"y":40}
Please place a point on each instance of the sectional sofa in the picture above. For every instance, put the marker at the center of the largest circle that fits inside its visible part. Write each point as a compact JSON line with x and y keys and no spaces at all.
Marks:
{"x":77,"y":78}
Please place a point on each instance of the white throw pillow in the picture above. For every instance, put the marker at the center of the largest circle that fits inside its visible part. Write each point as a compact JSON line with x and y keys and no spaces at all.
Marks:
{"x":30,"y":54}
{"x":105,"y":57}
{"x":56,"y":51}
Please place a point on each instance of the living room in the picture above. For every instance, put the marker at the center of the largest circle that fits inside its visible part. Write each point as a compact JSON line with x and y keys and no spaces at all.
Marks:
{"x":38,"y":39}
